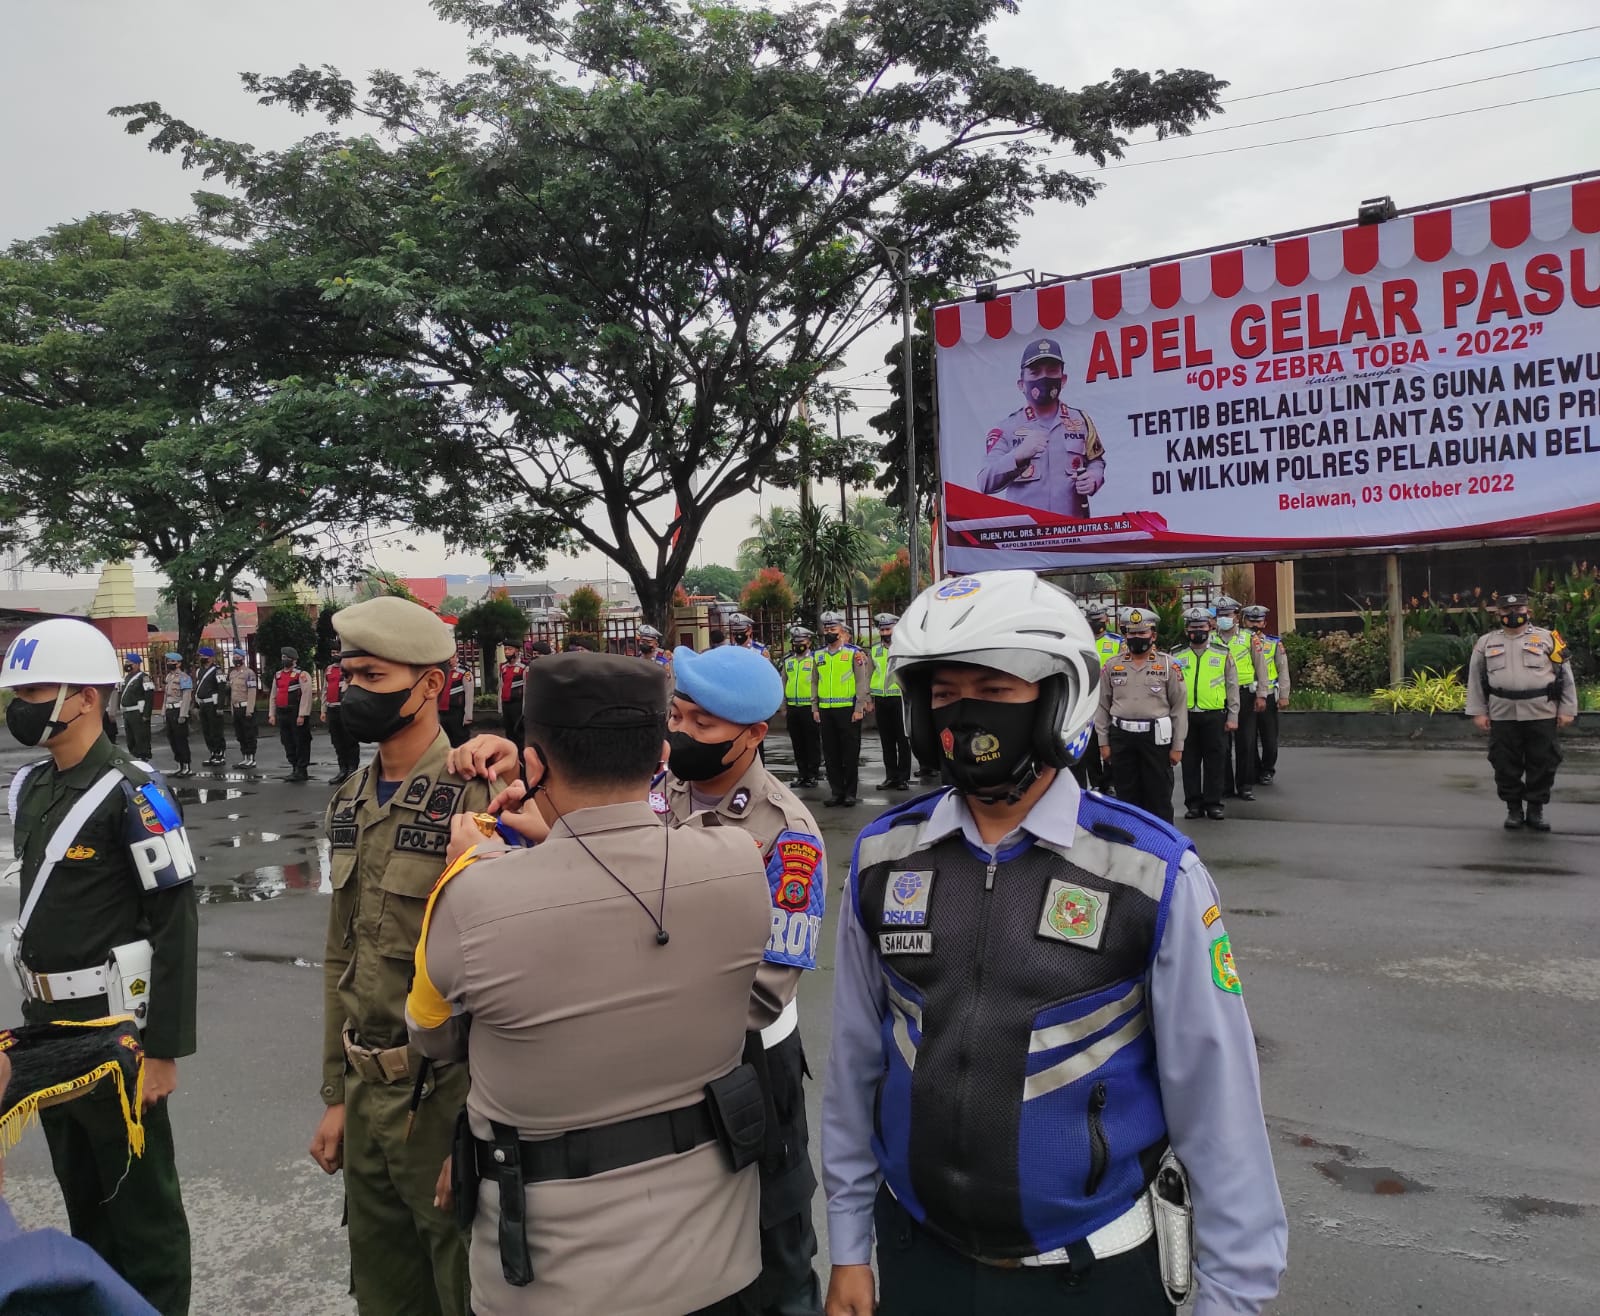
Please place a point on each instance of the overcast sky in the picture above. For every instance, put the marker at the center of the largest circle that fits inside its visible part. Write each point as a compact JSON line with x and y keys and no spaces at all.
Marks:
{"x":63,"y":63}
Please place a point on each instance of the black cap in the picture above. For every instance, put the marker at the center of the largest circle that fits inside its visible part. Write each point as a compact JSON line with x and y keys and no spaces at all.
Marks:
{"x":575,"y":691}
{"x":1513,"y":602}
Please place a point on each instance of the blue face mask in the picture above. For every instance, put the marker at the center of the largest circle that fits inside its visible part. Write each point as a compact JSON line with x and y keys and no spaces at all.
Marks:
{"x":1224,"y":623}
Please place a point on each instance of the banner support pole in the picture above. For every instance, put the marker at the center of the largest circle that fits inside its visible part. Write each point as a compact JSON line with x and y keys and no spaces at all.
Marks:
{"x":1397,"y":619}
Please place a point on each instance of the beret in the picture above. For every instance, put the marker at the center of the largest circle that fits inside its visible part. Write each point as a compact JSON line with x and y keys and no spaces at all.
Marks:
{"x":394,"y":629}
{"x":578,"y":690}
{"x":737,"y":685}
{"x":174,"y":657}
{"x":133,"y":658}
{"x":289,"y":652}
{"x":206,"y":651}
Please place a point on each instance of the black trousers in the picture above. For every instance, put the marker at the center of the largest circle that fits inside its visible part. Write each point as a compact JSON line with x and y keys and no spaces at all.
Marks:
{"x":1091,"y":772}
{"x":841,"y":751}
{"x":746,"y":1302}
{"x":789,"y":1285}
{"x":345,"y":746}
{"x":511,"y":720}
{"x":138,"y":728}
{"x":1525,"y":756}
{"x":244,"y":727}
{"x":1142,"y":771}
{"x":454,"y":722}
{"x":178,"y":736}
{"x":1240,"y":769}
{"x":1203,"y":753}
{"x":1267,"y":738}
{"x":211,"y":729}
{"x":806,"y":738}
{"x":892,"y":736}
{"x":919,"y":1276}
{"x":128,"y":1208}
{"x":296,"y":740}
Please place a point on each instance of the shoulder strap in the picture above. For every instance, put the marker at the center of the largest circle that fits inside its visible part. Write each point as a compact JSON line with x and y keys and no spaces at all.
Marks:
{"x":64,"y":835}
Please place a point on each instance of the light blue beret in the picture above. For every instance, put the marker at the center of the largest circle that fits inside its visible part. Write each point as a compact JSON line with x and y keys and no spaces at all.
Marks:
{"x":174,"y":657}
{"x":732,"y":683}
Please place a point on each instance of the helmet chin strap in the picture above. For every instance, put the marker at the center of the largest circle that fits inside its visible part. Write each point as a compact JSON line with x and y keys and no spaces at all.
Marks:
{"x":1022,"y":781}
{"x":55,"y":715}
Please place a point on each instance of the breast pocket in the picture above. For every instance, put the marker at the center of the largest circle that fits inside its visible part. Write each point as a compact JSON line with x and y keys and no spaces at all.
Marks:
{"x":1495,"y":658}
{"x":406,"y":884}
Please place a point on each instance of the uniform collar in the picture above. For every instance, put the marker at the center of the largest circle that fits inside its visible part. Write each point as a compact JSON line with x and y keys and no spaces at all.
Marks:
{"x":1053,"y":818}
{"x":605,"y":818}
{"x":89,"y":768}
{"x":735,"y":804}
{"x":419,"y":785}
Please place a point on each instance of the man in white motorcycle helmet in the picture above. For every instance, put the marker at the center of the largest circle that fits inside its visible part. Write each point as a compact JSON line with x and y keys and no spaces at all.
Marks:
{"x":107,"y":926}
{"x":1042,"y":1071}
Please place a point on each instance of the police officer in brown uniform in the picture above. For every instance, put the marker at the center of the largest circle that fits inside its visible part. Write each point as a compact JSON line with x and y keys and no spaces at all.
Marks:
{"x":390,"y":830}
{"x":1143,"y":718}
{"x":243,"y":690}
{"x":608,"y":1164}
{"x":1520,"y":689}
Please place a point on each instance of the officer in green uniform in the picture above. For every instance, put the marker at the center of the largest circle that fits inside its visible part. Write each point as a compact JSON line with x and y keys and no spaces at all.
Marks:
{"x":838,"y":703}
{"x":1091,"y":770}
{"x":888,"y":708}
{"x":107,"y":926}
{"x":1275,"y":692}
{"x":1212,"y":682}
{"x":389,"y":826}
{"x":799,"y":677}
{"x":136,"y":698}
{"x":1249,"y":657}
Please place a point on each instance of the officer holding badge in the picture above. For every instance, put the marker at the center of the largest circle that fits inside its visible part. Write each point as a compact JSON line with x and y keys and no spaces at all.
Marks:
{"x":390,"y":829}
{"x":721,"y":706}
{"x":108,"y":926}
{"x":1045,"y":454}
{"x":1043,"y":1085}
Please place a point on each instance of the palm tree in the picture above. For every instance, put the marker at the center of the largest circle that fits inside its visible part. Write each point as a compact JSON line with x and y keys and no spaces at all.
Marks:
{"x":832,"y":555}
{"x":776,"y":542}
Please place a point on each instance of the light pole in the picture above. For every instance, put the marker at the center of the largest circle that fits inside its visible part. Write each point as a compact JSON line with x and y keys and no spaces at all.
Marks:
{"x":897,"y":268}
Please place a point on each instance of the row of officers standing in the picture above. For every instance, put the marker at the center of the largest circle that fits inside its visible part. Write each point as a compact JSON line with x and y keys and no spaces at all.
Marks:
{"x":562,"y":1057}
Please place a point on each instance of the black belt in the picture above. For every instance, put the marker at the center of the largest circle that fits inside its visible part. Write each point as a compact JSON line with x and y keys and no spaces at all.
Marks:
{"x":585,"y":1152}
{"x":1551,"y":691}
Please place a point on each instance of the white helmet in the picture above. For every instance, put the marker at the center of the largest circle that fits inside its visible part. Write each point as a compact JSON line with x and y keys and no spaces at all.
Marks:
{"x":61,"y":651}
{"x":1014,"y":622}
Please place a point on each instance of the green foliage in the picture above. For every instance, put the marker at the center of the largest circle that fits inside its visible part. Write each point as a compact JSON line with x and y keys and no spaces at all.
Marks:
{"x":286,"y":625}
{"x":1338,"y":661}
{"x":492,"y":623}
{"x":768,"y":593}
{"x":629,"y":242}
{"x":1169,"y":623}
{"x":1439,"y":653}
{"x":1303,"y":697}
{"x":376,"y":584}
{"x":1571,"y":604}
{"x":1589,"y":698}
{"x":891,"y":591}
{"x":583,"y":610}
{"x":831,"y":557}
{"x":891,"y":423}
{"x":1151,"y":587}
{"x":1469,"y":615}
{"x":1426,"y":692}
{"x":325,"y":633}
{"x":720,"y":582}
{"x":200,"y":403}
{"x":454,"y":605}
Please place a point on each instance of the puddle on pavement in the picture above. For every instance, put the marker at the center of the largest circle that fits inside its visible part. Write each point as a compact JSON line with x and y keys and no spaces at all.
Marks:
{"x":1378,"y":1179}
{"x":1508,"y":870}
{"x":206,"y":794}
{"x":256,"y":957}
{"x":1463,"y":783}
{"x":1255,"y":913}
{"x":1521,"y":1209}
{"x":272,"y":880}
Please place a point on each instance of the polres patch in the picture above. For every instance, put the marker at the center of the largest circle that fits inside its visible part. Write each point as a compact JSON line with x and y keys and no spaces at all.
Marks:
{"x":796,"y":878}
{"x":1074,"y":913}
{"x":905,"y":898}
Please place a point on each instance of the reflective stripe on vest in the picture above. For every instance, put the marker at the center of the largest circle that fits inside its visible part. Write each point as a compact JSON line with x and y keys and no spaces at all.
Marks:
{"x":836,"y":678}
{"x":1243,"y":659}
{"x":881,"y":682}
{"x":1212,"y":692}
{"x":798,"y":676}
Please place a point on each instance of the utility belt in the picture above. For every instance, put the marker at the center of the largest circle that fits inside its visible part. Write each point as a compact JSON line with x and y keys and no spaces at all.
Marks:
{"x":1164,"y":1210}
{"x":206,"y":699}
{"x":1161,"y":727}
{"x":1551,"y":692}
{"x":124,"y":979}
{"x":388,"y":1065}
{"x":731,"y":1114}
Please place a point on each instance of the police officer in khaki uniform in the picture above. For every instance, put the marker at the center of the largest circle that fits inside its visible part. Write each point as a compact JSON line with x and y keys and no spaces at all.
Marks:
{"x":243,"y":691}
{"x":390,"y":830}
{"x":107,"y":926}
{"x":177,"y":702}
{"x":607,"y":976}
{"x":1143,"y":718}
{"x":1520,"y":689}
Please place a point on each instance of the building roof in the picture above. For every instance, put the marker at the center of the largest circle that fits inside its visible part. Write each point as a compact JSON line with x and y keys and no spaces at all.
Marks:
{"x":429,"y":591}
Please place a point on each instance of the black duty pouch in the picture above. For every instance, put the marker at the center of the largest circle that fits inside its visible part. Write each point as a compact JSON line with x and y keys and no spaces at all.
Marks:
{"x":464,"y":1176}
{"x":516,"y":1266}
{"x":738,"y":1115}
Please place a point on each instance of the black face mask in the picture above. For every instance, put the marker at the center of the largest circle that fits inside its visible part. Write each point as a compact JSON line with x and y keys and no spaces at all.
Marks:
{"x":799,"y":650}
{"x":373,"y":716}
{"x":1198,"y":637}
{"x":987,"y":745}
{"x":32,"y":724}
{"x":1098,"y":627}
{"x":1044,"y":393}
{"x":697,"y":760}
{"x":1513,"y":620}
{"x":647,"y":647}
{"x":1140,"y":643}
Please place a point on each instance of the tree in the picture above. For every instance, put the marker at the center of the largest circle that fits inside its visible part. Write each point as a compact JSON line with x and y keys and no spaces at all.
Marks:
{"x":891,"y":591}
{"x":490,"y":624}
{"x":776,"y":542}
{"x":455,"y":604}
{"x":285,"y":625}
{"x":378,"y":583}
{"x":632,"y":240}
{"x":720,"y":582}
{"x":892,"y":425}
{"x":831,"y":557}
{"x":768,"y":593}
{"x":199,"y":403}
{"x":326,"y":635}
{"x":584,"y":611}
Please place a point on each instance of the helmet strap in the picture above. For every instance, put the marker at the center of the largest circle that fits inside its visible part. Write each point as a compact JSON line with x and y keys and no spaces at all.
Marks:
{"x":56,"y":726}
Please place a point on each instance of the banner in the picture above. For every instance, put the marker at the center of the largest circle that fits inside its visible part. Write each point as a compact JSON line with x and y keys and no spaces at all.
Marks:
{"x":1428,"y":380}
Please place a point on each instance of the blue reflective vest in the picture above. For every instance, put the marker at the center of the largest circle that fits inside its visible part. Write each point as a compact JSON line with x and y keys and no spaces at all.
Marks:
{"x":1019,"y":1109}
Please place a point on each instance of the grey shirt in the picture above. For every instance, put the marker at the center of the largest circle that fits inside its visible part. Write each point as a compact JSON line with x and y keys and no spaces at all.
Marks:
{"x":1205,"y":1058}
{"x":1519,"y":660}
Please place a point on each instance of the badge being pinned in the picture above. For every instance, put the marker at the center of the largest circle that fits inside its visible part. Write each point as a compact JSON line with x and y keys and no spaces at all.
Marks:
{"x":1073,"y":913}
{"x":1223,"y":972}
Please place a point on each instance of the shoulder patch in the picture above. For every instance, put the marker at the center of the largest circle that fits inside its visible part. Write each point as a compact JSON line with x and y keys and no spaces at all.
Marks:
{"x":798,"y":883}
{"x":442,"y":803}
{"x":417,"y":791}
{"x":1223,"y":971}
{"x":1211,"y":916}
{"x":740,"y":801}
{"x":659,"y":804}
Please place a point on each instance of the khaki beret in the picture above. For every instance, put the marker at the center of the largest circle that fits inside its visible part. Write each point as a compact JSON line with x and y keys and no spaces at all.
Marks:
{"x":395,"y":629}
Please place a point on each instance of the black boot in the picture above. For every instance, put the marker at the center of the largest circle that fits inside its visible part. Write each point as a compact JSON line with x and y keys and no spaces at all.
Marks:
{"x":1514,"y":817}
{"x":1536,"y":822}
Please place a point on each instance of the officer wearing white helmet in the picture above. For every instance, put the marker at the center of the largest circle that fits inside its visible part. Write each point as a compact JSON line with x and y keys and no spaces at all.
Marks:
{"x":107,"y":927}
{"x":1039,"y":1038}
{"x":650,"y":646}
{"x":741,"y":633}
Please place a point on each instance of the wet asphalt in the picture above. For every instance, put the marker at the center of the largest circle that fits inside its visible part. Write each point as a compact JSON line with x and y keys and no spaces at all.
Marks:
{"x":1424,"y":988}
